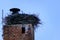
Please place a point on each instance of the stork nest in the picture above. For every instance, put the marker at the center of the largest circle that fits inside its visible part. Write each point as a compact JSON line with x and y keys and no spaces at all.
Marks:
{"x":21,"y":19}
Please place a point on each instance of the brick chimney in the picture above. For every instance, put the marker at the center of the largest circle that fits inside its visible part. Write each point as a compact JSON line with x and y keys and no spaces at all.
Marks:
{"x":19,"y":26}
{"x":18,"y":32}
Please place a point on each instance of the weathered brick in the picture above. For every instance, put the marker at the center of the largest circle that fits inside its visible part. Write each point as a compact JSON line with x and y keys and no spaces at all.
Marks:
{"x":14,"y":32}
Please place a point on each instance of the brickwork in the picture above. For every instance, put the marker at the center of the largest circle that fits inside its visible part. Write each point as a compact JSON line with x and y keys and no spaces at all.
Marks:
{"x":14,"y":32}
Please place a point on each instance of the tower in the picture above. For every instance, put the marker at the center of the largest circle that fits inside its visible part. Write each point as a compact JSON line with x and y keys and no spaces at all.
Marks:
{"x":19,"y":26}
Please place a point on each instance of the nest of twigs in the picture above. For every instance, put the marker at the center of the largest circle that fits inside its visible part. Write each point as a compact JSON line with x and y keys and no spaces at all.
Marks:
{"x":21,"y":19}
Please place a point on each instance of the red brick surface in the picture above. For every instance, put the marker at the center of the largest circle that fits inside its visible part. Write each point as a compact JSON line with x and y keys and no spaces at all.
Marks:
{"x":15,"y":33}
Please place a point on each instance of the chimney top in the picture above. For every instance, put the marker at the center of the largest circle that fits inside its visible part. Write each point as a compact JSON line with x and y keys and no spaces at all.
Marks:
{"x":14,"y":10}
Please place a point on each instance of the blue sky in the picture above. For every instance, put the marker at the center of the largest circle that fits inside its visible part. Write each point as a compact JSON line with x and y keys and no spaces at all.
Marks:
{"x":47,"y":10}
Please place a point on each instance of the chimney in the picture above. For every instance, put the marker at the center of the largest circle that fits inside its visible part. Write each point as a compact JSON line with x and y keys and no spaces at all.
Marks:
{"x":14,"y":10}
{"x":19,"y":26}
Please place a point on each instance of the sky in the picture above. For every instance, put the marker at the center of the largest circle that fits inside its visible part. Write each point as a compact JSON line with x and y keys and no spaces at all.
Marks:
{"x":47,"y":10}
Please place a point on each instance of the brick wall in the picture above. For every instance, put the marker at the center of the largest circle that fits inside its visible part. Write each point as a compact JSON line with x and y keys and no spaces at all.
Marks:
{"x":14,"y":32}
